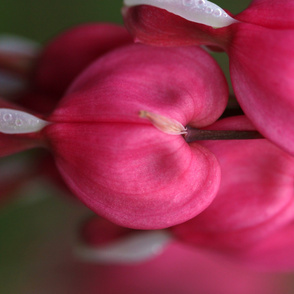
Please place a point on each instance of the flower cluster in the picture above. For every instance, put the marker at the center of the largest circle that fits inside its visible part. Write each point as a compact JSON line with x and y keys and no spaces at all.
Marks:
{"x":142,"y":134}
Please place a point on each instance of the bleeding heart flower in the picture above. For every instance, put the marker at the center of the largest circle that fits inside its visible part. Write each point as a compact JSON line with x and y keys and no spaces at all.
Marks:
{"x":37,"y":78}
{"x":64,"y":58}
{"x":259,"y":42}
{"x":114,"y":160}
{"x":255,"y":198}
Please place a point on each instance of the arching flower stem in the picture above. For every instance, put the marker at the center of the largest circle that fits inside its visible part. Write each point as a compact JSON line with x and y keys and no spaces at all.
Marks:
{"x":194,"y":134}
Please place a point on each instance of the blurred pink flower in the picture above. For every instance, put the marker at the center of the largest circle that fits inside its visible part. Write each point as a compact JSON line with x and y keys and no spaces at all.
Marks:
{"x":176,"y":268}
{"x":64,"y":58}
{"x":68,"y":54}
{"x":117,"y":163}
{"x":258,"y":41}
{"x":254,"y":202}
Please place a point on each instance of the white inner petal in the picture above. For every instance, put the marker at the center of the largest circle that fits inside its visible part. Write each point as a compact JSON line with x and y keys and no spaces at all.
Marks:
{"x":19,"y":122}
{"x":199,"y":11}
{"x":137,"y":247}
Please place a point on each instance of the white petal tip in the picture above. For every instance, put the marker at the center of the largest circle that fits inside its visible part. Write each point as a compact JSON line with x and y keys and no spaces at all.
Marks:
{"x":199,"y":11}
{"x":19,"y":122}
{"x":135,"y":248}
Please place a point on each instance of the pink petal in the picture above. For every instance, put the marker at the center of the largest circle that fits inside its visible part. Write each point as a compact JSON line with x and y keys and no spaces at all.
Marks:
{"x":120,"y":165}
{"x":72,"y":51}
{"x":274,"y":253}
{"x":10,"y":144}
{"x":255,"y":197}
{"x":260,"y":58}
{"x":138,"y":77}
{"x":152,"y":25}
{"x":132,"y":174}
{"x":97,"y":231}
{"x":262,"y":74}
{"x":269,"y":13}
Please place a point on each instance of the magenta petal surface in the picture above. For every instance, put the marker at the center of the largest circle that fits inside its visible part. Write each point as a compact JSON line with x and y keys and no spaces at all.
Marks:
{"x":119,"y":164}
{"x":72,"y":51}
{"x":156,"y":26}
{"x":182,"y":83}
{"x":273,"y":253}
{"x":142,"y":179}
{"x":269,"y":13}
{"x":262,"y":74}
{"x":255,"y":197}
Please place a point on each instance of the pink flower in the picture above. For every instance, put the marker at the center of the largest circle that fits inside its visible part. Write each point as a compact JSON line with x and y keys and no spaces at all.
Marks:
{"x":254,"y":202}
{"x":259,"y":42}
{"x":64,"y":58}
{"x":116,"y":162}
{"x":67,"y":55}
{"x":37,"y":79}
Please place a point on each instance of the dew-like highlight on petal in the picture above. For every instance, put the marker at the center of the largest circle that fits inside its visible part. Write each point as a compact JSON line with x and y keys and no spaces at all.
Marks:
{"x":199,"y":11}
{"x":19,"y":122}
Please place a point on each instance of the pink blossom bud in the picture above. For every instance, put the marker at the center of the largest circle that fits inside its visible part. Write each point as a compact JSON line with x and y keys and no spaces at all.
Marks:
{"x":72,"y":51}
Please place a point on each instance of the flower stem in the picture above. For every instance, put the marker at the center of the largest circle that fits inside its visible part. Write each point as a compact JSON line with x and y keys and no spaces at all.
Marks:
{"x":196,"y":134}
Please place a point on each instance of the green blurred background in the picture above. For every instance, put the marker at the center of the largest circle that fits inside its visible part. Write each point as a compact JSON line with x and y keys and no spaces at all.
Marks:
{"x":35,"y":216}
{"x":42,"y":19}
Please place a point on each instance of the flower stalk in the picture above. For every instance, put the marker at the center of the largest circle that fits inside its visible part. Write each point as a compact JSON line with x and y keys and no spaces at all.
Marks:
{"x":194,"y":134}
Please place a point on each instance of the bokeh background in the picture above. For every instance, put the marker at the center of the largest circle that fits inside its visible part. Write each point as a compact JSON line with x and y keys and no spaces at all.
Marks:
{"x":40,"y":20}
{"x":38,"y":214}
